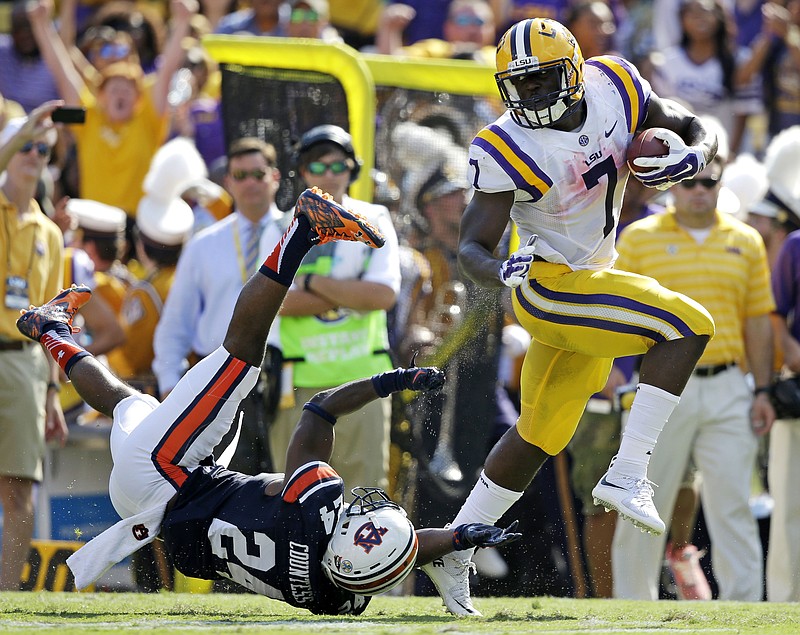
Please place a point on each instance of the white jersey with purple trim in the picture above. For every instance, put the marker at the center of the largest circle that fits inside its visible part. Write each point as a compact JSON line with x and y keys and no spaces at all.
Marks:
{"x":568,"y":185}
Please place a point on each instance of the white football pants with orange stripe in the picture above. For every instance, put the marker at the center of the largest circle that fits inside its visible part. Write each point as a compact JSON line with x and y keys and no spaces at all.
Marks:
{"x":155,"y":446}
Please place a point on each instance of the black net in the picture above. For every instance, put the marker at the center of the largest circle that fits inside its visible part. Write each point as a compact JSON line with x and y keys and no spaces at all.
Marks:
{"x":278,"y":106}
{"x":418,"y":132}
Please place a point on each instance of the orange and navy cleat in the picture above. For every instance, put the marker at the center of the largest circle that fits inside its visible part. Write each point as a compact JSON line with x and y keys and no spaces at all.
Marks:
{"x":61,"y":308}
{"x":330,"y":221}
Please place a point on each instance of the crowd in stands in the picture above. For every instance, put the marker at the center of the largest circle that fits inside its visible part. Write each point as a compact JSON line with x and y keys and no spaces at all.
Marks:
{"x":151,"y":197}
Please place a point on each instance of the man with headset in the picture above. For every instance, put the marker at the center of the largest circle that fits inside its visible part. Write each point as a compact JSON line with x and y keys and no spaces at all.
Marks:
{"x":332,"y":325}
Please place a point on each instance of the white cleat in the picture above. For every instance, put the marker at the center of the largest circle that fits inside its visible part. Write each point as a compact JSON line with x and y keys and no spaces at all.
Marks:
{"x":632,"y":498}
{"x":450,"y":575}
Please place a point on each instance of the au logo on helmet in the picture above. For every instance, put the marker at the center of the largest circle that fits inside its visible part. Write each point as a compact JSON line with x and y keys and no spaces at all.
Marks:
{"x":369,"y":536}
{"x":351,"y":560}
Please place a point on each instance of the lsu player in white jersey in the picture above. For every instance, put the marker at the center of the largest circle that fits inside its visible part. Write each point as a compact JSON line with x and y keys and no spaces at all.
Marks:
{"x":555,"y":164}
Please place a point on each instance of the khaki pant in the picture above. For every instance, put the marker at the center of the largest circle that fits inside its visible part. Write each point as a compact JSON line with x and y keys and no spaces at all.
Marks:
{"x":23,"y":388}
{"x":783,"y":559}
{"x":711,"y":426}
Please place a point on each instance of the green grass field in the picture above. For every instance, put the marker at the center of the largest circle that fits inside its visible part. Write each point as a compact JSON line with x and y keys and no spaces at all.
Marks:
{"x":67,"y":613}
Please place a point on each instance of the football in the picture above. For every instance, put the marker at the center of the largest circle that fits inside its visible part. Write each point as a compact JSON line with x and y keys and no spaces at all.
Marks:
{"x":645,"y":144}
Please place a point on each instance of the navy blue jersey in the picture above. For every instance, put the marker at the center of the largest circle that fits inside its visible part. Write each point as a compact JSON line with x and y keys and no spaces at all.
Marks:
{"x":223,"y":525}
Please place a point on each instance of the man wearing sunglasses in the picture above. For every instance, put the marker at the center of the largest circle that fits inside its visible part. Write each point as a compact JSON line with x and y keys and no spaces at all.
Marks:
{"x":333,"y":324}
{"x":213,"y":267}
{"x":30,"y":270}
{"x":309,"y":18}
{"x":708,"y":255}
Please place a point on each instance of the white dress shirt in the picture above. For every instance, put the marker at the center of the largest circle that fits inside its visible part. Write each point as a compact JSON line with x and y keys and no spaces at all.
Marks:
{"x":208,"y":279}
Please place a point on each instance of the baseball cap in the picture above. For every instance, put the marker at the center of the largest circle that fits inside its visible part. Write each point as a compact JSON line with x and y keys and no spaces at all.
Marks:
{"x":97,"y":217}
{"x":128,"y":70}
{"x":13,"y":126}
{"x":165,"y":223}
{"x":444,"y":180}
{"x":764,"y":208}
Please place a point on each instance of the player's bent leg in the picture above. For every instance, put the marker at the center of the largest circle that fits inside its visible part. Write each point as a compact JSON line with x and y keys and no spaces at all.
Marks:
{"x":613,"y":313}
{"x":197,"y":414}
{"x":556,"y":386}
{"x":157,"y":450}
{"x":607,"y":313}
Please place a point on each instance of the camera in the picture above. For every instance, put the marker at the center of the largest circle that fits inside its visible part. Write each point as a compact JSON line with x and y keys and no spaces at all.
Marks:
{"x":69,"y":114}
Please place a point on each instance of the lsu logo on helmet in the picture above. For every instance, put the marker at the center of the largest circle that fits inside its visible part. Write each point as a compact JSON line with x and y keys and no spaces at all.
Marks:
{"x":535,"y":46}
{"x":373,"y":547}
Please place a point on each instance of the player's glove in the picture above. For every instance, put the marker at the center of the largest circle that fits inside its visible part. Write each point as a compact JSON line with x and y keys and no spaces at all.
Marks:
{"x":514,"y":270}
{"x":682,"y":162}
{"x":480,"y":535}
{"x":426,"y":378}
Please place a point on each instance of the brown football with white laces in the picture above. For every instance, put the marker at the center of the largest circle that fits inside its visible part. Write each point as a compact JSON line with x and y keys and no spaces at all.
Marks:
{"x":645,"y":144}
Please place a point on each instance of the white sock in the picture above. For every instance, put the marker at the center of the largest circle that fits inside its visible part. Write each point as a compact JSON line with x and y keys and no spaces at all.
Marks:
{"x":485,"y":504}
{"x":649,"y":413}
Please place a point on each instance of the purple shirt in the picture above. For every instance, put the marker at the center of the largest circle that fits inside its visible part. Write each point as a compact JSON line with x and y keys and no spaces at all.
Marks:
{"x":26,"y":81}
{"x":428,"y":23}
{"x":786,"y":282}
{"x":209,"y":134}
{"x":748,"y":23}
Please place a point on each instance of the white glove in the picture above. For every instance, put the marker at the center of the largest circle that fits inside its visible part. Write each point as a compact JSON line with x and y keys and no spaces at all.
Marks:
{"x":514,"y":270}
{"x":682,"y":162}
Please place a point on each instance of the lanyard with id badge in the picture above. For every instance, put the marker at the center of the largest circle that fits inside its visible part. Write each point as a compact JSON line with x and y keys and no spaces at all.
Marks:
{"x":16,"y":296}
{"x":17,"y":293}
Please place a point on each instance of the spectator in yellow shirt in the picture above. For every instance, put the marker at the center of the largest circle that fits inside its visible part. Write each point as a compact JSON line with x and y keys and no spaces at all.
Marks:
{"x":127,"y":121}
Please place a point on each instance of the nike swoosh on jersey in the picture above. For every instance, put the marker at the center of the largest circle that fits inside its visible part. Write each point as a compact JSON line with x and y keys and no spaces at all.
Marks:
{"x":607,"y":133}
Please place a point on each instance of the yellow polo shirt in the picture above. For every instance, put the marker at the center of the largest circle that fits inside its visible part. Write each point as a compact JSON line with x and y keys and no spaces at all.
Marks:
{"x":114,"y":158}
{"x":728,"y":273}
{"x":32,"y":247}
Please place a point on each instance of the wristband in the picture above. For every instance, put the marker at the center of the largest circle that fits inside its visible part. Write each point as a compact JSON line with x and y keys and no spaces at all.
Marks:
{"x":459,"y":544}
{"x":760,"y":389}
{"x":320,"y":412}
{"x":387,"y":383}
{"x":307,"y":283}
{"x":51,"y":385}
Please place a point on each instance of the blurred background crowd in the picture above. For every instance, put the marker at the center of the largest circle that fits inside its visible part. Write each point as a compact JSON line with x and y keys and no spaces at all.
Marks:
{"x":167,"y":199}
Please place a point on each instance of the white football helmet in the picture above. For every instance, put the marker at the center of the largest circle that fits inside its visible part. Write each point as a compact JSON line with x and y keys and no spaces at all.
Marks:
{"x":374,"y":546}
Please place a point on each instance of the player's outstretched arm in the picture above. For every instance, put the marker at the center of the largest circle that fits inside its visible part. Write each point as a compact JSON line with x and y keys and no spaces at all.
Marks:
{"x":435,"y":543}
{"x":313,"y":437}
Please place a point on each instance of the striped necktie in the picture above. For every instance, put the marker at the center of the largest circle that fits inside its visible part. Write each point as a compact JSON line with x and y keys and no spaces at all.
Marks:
{"x":251,"y":247}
